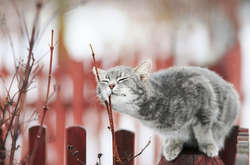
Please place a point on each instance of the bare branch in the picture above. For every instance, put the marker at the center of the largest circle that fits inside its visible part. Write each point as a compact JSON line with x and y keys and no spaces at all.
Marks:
{"x":45,"y":108}
{"x":116,"y":156}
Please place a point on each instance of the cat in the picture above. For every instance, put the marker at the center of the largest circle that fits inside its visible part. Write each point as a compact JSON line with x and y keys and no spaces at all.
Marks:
{"x":187,"y":106}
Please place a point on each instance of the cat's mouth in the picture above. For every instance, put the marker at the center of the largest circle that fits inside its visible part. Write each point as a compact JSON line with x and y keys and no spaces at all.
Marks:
{"x":117,"y":94}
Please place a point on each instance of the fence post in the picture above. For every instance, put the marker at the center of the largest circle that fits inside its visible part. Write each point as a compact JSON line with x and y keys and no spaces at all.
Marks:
{"x":242,"y":154}
{"x":125,"y":145}
{"x":40,"y":155}
{"x":76,"y":146}
{"x":235,"y":152}
{"x":228,"y":153}
{"x":192,"y":157}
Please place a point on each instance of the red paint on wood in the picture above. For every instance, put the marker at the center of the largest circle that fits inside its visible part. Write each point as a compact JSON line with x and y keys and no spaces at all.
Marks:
{"x":40,"y":155}
{"x":125,"y":141}
{"x":228,"y":153}
{"x":76,"y":143}
{"x":192,"y":157}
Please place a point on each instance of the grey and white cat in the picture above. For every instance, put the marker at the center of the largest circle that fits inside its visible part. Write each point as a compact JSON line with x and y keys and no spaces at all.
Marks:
{"x":188,"y":106}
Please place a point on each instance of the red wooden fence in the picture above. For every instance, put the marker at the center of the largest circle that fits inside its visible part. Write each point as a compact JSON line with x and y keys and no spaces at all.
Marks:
{"x":236,"y":151}
{"x":76,"y":145}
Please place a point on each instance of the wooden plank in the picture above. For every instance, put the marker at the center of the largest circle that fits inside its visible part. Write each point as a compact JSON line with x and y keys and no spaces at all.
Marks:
{"x":227,"y":154}
{"x":76,"y":146}
{"x":192,"y":157}
{"x":125,"y":145}
{"x":242,"y":154}
{"x":40,"y":154}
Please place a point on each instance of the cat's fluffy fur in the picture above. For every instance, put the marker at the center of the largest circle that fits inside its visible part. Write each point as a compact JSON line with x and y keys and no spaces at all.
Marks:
{"x":189,"y":106}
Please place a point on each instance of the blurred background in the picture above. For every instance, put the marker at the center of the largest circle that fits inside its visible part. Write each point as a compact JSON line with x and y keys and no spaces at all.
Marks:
{"x":208,"y":33}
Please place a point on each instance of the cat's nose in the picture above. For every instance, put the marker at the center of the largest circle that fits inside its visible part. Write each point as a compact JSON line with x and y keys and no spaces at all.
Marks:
{"x":111,"y":86}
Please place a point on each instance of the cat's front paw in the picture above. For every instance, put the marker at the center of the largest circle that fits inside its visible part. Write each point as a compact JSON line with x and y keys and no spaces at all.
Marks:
{"x":211,"y":150}
{"x":171,"y":152}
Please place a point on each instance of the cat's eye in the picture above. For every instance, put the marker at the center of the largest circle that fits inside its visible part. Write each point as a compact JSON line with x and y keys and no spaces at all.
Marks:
{"x":105,"y":81}
{"x":122,"y":79}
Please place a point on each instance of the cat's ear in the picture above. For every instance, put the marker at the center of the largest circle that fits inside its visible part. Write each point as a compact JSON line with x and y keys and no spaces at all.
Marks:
{"x":144,"y":69}
{"x":102,"y":73}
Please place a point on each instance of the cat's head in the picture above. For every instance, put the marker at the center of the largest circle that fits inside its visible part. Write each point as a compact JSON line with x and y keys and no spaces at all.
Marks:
{"x":121,"y":82}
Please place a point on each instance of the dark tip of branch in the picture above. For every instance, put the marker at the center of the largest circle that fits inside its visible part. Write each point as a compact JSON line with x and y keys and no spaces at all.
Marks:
{"x":99,"y":155}
{"x":70,"y":147}
{"x":76,"y":153}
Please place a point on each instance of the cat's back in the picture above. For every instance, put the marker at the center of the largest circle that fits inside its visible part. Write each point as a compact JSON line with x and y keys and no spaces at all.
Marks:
{"x":176,"y":76}
{"x":182,"y":73}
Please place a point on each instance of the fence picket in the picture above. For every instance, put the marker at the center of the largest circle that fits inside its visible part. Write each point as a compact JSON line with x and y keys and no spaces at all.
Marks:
{"x":75,"y":146}
{"x":228,"y":153}
{"x":125,"y":145}
{"x":40,"y":154}
{"x":192,"y":157}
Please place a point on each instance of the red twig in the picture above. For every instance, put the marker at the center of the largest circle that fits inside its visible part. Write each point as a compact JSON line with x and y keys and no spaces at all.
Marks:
{"x":45,"y":108}
{"x":138,"y":154}
{"x":93,"y":55}
{"x":28,"y":67}
{"x":23,"y":88}
{"x":116,"y":157}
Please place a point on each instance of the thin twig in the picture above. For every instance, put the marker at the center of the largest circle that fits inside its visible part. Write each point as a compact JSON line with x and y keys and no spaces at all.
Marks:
{"x":138,"y":154}
{"x":116,"y":157}
{"x":28,"y":69}
{"x":45,"y":108}
{"x":75,"y":153}
{"x":93,"y":55}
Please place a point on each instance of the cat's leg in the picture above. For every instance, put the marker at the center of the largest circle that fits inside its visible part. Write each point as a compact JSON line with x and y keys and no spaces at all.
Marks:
{"x":172,"y":148}
{"x":206,"y":142}
{"x":206,"y":113}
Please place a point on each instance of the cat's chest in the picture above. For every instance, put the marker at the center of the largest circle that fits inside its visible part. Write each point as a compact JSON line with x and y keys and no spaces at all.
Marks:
{"x":124,"y":105}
